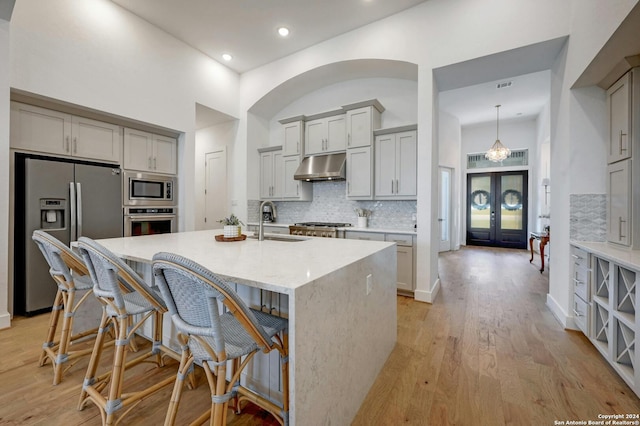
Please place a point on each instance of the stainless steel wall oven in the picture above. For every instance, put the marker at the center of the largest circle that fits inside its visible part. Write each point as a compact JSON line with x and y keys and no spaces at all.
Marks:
{"x":149,"y":220}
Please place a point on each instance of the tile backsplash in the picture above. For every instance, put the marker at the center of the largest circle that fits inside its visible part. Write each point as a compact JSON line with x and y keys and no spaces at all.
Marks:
{"x":588,"y":217}
{"x":330,"y":205}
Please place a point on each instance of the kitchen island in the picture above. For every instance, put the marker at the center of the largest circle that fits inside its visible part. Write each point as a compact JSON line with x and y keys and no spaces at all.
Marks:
{"x":341,"y":307}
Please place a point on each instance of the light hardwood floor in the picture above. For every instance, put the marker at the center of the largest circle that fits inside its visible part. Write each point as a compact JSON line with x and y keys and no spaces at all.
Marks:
{"x":487,"y":352}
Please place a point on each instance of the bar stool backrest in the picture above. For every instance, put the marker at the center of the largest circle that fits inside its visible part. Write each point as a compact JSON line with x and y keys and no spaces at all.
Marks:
{"x":192,"y":293}
{"x":58,"y":256}
{"x":108,"y":272}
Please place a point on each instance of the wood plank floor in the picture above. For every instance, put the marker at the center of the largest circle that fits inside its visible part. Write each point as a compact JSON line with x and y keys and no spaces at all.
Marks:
{"x":487,"y":352}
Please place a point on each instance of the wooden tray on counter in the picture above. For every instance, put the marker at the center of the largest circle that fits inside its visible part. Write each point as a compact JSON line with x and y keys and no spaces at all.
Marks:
{"x":222,"y":238}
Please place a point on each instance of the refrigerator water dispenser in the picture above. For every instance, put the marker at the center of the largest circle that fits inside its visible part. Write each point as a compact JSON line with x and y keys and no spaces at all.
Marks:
{"x":52,"y":213}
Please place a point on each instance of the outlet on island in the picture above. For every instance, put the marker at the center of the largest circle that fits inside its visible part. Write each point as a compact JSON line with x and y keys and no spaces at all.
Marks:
{"x":369,"y":283}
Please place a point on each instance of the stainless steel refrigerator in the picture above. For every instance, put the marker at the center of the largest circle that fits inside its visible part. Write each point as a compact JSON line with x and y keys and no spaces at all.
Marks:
{"x":68,"y":200}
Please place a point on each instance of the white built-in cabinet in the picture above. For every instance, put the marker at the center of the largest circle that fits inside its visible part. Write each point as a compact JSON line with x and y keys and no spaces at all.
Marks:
{"x":53,"y":132}
{"x":148,"y":152}
{"x":396,"y":164}
{"x":271,"y":173}
{"x":623,"y":170}
{"x":605,"y":296}
{"x":325,"y":134}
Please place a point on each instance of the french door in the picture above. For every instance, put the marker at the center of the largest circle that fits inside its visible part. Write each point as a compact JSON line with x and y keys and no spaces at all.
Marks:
{"x":497,"y":209}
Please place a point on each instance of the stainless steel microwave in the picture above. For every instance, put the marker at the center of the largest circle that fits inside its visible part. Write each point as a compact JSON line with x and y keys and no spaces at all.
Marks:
{"x":147,"y":189}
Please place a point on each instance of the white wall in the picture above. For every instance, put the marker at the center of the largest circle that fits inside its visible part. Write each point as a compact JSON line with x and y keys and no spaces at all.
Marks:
{"x":449,"y":144}
{"x":98,"y":55}
{"x":433,"y":34}
{"x":211,"y":139}
{"x":593,"y":22}
{"x":4,"y":173}
{"x":542,"y":163}
{"x":514,"y":135}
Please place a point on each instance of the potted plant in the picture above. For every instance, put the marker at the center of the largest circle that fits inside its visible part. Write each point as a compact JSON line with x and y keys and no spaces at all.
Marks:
{"x":232,"y":226}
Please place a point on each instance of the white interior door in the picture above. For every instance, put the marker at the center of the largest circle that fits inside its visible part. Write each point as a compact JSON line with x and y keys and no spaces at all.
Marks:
{"x":216,"y":206}
{"x":444,"y":207}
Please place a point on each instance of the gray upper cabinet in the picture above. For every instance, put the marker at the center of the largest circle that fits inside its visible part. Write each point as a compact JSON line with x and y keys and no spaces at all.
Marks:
{"x":619,"y":102}
{"x":148,"y":152}
{"x":361,"y":122}
{"x":53,"y":132}
{"x":623,"y":171}
{"x":396,"y":166}
{"x":293,"y":134}
{"x":325,"y":135}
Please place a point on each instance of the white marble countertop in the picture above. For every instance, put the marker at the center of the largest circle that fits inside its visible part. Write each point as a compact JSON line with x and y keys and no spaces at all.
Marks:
{"x":270,"y":265}
{"x":404,"y":231}
{"x":624,"y":257}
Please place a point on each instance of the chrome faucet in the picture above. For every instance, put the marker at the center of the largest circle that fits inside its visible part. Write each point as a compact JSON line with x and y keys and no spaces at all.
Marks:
{"x":261,"y":227}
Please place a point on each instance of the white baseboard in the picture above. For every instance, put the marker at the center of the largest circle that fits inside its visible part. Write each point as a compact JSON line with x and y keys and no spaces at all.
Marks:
{"x":5,"y":320}
{"x":563,"y":318}
{"x":428,"y":296}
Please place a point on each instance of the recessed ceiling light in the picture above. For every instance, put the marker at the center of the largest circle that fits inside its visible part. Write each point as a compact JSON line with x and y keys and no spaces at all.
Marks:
{"x":283,"y":31}
{"x":227,"y":57}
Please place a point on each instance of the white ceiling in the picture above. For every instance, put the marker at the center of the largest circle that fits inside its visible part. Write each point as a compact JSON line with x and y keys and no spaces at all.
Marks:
{"x":524,"y":99}
{"x":247,"y":29}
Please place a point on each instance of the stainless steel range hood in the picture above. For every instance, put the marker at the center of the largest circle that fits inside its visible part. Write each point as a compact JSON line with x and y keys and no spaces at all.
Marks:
{"x":322,"y":167}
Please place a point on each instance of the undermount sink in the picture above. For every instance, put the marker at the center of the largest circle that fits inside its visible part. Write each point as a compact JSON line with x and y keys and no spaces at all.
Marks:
{"x":283,"y":238}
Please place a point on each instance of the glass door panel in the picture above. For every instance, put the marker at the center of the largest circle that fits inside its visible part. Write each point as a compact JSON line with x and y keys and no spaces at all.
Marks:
{"x":497,"y":209}
{"x":511,"y":206}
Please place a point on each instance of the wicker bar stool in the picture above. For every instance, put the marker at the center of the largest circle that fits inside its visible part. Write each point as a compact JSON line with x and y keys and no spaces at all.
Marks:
{"x":126,"y":312}
{"x":71,"y":275}
{"x":211,"y":338}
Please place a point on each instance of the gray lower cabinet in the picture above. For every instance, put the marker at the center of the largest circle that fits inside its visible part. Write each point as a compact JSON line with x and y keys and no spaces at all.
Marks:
{"x":406,"y":269}
{"x":604,"y":304}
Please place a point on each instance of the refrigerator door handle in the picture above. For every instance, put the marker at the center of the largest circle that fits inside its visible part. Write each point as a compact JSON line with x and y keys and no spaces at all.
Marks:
{"x":79,"y":208}
{"x":72,"y":212}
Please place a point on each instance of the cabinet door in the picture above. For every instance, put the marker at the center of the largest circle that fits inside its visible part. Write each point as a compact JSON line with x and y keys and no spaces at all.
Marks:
{"x":165,"y":154}
{"x":618,"y":202}
{"x":406,"y":165}
{"x":359,"y":131}
{"x":405,"y":268}
{"x":95,"y":139}
{"x":266,"y":175}
{"x":291,"y":188}
{"x":385,"y":165}
{"x":278,"y":175}
{"x":292,"y":138}
{"x":359,"y":174}
{"x":315,"y":136}
{"x":138,"y":150}
{"x":619,"y":109}
{"x":40,"y":129}
{"x":336,"y":134}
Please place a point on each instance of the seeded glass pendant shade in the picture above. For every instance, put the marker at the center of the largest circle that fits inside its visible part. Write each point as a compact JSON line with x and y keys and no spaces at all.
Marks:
{"x":497,"y":152}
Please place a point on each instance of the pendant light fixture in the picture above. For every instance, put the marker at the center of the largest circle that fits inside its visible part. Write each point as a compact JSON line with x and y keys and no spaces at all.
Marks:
{"x":497,"y":152}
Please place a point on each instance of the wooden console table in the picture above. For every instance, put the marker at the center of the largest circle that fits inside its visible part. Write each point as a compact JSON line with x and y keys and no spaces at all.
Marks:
{"x":544,"y":240}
